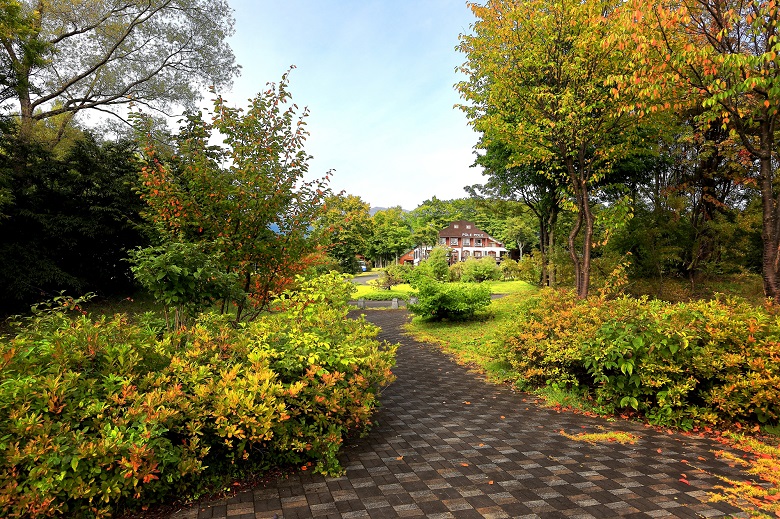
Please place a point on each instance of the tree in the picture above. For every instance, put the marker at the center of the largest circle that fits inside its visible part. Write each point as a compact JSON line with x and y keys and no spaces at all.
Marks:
{"x":536,"y":85}
{"x":71,"y":220}
{"x":537,"y":186}
{"x":247,"y":200}
{"x":346,"y":228}
{"x":62,"y":57}
{"x":433,"y":215}
{"x":392,"y":236}
{"x":719,"y":57}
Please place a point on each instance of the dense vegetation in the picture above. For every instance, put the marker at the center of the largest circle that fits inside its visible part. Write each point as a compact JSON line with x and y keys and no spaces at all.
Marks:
{"x":96,"y":414}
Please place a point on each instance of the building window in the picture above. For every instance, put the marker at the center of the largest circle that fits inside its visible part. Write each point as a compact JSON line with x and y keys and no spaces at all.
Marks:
{"x":455,"y":226}
{"x":478,"y":242}
{"x":442,"y":241}
{"x":477,"y":254}
{"x":468,"y":227}
{"x":453,"y":241}
{"x":466,"y":242}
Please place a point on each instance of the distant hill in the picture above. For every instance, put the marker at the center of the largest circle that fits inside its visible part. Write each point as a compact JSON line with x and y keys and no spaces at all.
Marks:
{"x":375,"y":210}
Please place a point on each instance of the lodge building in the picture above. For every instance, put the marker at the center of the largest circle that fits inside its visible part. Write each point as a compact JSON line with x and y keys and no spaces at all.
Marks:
{"x":464,"y":240}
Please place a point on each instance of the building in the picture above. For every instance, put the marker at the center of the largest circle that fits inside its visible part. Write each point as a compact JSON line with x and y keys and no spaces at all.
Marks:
{"x":407,"y":259}
{"x":465,"y":240}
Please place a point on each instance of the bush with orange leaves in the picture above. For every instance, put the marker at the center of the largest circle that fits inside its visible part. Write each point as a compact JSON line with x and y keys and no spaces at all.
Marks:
{"x":98,"y":414}
{"x":680,"y":364}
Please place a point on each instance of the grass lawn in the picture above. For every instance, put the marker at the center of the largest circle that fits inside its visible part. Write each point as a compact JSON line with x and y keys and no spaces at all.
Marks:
{"x":372,"y":294}
{"x":477,"y":342}
{"x":404,"y":290}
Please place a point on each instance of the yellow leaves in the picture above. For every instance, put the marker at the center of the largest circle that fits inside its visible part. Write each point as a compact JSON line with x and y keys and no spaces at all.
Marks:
{"x":610,"y":436}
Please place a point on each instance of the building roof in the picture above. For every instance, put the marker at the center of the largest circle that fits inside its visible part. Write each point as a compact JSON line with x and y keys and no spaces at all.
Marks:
{"x":465,"y":229}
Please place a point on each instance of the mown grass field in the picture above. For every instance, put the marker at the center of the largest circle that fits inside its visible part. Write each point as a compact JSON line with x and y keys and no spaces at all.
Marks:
{"x":403,"y":291}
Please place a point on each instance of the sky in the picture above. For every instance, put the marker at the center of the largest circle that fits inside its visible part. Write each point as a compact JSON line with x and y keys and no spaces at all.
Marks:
{"x":377,"y":77}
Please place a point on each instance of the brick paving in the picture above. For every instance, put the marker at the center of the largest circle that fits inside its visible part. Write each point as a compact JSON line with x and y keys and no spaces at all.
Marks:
{"x":447,"y":444}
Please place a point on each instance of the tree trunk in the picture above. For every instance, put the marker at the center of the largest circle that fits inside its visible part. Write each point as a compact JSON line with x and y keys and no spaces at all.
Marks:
{"x":770,"y":234}
{"x":587,"y":247}
{"x":585,"y":219}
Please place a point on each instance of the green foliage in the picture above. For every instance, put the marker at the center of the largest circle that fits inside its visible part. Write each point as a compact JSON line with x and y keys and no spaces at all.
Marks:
{"x":700,"y":362}
{"x":479,"y":270}
{"x":456,"y":271}
{"x":433,"y":215}
{"x":345,"y":228}
{"x":455,"y":301}
{"x":436,"y":267}
{"x":69,"y":219}
{"x":551,"y":110}
{"x":393,"y":275}
{"x":183,"y":276}
{"x":510,"y":269}
{"x":391,"y":236}
{"x":246,"y":202}
{"x":96,"y":415}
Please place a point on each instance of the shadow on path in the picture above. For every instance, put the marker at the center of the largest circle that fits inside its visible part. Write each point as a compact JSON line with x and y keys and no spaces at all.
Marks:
{"x":449,"y":445}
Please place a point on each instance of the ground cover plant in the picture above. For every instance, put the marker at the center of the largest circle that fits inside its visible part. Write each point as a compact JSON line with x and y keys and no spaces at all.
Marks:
{"x":95,"y":413}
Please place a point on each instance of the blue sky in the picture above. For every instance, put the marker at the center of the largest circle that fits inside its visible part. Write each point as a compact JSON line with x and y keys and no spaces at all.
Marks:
{"x":378,"y":79}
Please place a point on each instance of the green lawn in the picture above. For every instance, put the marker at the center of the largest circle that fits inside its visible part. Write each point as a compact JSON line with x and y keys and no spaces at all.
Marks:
{"x":372,"y":294}
{"x":403,"y":291}
{"x":478,"y":342}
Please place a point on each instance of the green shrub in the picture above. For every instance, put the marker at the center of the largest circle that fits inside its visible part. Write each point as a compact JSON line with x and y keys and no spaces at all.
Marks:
{"x":456,"y":271}
{"x":436,"y":267}
{"x":392,"y":276}
{"x":510,"y":270}
{"x":699,"y":362}
{"x":455,"y":301}
{"x":185,"y":277}
{"x":95,"y":414}
{"x":479,"y":270}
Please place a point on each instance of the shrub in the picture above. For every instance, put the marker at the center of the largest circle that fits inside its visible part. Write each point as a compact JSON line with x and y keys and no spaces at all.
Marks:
{"x":479,"y":270}
{"x":699,"y":362}
{"x":530,"y":268}
{"x":96,"y":413}
{"x":391,"y":276}
{"x":435,"y":267}
{"x":183,"y":277}
{"x":510,"y":270}
{"x":438,"y":301}
{"x":545,"y":341}
{"x":456,"y":271}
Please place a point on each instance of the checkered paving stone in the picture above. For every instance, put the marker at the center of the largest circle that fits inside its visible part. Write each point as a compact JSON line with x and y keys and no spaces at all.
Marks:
{"x":447,"y":444}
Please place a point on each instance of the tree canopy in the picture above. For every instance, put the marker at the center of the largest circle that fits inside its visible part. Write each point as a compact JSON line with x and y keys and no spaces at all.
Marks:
{"x":62,"y":57}
{"x":536,"y":72}
{"x":247,"y":201}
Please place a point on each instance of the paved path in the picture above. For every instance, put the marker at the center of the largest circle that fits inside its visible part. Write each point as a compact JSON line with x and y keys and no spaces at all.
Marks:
{"x":450,"y":445}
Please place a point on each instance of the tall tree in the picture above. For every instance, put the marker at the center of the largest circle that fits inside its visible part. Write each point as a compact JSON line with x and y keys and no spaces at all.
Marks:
{"x":721,"y":58}
{"x":345,"y":228}
{"x":537,"y":186}
{"x":536,"y":84}
{"x":392,"y":236}
{"x":62,"y":57}
{"x":248,"y":200}
{"x":71,"y":222}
